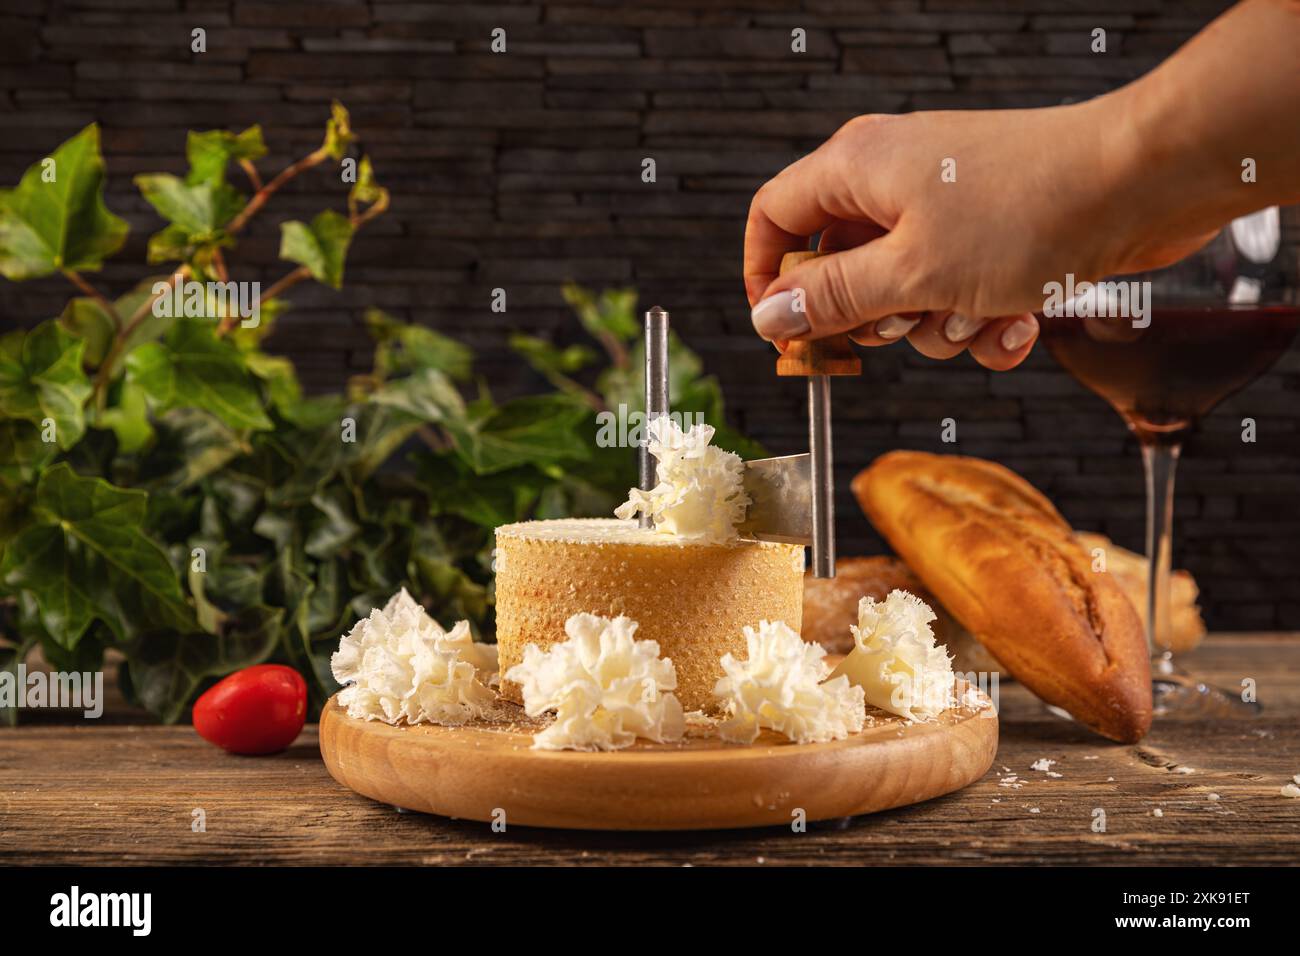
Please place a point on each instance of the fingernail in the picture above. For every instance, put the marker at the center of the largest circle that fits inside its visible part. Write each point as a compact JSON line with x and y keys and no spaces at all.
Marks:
{"x":895,"y":326}
{"x":775,"y":317}
{"x":1016,"y":334}
{"x":960,"y":327}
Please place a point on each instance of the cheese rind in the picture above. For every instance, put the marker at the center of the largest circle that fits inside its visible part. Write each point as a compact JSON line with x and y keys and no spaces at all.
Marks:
{"x":606,"y":688}
{"x":691,"y":598}
{"x":781,"y":685}
{"x":895,"y":659}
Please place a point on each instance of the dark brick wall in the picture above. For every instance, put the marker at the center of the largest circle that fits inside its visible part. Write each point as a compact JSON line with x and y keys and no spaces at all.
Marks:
{"x":523,"y":169}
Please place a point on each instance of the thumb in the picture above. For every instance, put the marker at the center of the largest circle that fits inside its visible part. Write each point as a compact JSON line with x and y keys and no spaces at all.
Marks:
{"x":834,"y":293}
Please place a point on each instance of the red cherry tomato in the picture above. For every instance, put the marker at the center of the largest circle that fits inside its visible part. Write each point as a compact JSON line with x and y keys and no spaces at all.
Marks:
{"x":259,"y":710}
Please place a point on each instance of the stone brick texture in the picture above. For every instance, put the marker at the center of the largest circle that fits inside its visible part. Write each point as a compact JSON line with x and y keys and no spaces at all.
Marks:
{"x":523,"y":169}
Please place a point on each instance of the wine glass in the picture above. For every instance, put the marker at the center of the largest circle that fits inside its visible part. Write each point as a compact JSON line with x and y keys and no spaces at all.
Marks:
{"x":1213,"y":323}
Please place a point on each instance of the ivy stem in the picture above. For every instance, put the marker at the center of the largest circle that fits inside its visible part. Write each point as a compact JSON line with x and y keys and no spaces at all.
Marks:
{"x":104,"y":373}
{"x":287,"y":282}
{"x":302,"y":273}
{"x":219,"y":263}
{"x":266,"y":192}
{"x":251,"y":172}
{"x":80,"y":282}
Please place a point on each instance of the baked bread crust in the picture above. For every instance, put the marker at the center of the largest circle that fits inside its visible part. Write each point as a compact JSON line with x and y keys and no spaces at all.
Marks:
{"x":1184,"y":627}
{"x":999,"y":556}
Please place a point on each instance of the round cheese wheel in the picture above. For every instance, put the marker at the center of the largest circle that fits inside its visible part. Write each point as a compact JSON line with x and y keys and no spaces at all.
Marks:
{"x":693,"y":599}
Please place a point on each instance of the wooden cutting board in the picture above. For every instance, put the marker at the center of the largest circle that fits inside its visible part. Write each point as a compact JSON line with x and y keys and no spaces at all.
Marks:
{"x":489,"y":772}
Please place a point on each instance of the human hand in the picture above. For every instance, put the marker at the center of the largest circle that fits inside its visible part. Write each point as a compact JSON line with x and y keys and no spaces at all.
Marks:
{"x":959,"y":261}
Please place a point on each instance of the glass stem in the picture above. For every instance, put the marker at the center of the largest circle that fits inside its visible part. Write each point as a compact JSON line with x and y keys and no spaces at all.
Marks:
{"x":1160,"y":462}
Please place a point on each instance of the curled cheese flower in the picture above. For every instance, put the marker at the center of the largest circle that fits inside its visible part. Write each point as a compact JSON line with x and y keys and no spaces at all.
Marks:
{"x":896,"y":660}
{"x":700,"y":495}
{"x":782,"y":686}
{"x":400,"y":665}
{"x":606,"y":688}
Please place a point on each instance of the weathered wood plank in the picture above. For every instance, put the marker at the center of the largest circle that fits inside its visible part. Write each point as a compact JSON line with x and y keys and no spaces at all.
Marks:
{"x":125,"y":794}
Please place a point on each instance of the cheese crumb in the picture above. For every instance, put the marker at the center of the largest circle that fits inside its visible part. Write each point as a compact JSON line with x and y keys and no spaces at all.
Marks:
{"x":1291,"y":790}
{"x":400,"y":665}
{"x":895,"y":659}
{"x":606,"y":688}
{"x":1157,"y":812}
{"x":782,"y":686}
{"x":700,"y":495}
{"x":1042,"y":763}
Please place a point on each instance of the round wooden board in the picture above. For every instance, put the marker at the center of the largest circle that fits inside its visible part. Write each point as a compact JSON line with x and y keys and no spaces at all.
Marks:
{"x":478,"y":771}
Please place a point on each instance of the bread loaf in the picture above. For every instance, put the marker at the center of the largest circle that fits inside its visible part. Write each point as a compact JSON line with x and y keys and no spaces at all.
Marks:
{"x":1184,"y":628}
{"x":997,"y":554}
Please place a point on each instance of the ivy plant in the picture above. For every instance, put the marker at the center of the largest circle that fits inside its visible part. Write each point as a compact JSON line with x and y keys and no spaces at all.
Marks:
{"x":170,"y":496}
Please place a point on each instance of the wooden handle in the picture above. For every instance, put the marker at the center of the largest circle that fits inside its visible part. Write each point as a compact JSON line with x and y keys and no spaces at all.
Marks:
{"x":833,"y":355}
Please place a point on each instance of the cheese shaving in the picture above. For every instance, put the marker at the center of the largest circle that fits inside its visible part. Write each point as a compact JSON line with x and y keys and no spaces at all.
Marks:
{"x":700,"y":495}
{"x":782,"y":686}
{"x":401,"y":666}
{"x":895,"y":658}
{"x":606,"y":688}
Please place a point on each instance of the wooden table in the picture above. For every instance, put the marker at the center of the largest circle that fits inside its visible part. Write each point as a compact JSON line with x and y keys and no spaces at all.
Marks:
{"x":117,"y":792}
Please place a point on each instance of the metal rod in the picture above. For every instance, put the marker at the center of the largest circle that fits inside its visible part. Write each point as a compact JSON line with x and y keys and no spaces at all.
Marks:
{"x":656,"y":392}
{"x":823,"y":485}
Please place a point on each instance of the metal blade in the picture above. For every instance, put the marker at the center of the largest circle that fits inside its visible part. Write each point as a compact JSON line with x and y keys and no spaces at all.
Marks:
{"x":780,"y":494}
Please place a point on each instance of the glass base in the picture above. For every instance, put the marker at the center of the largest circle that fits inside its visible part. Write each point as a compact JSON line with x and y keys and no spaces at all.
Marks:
{"x":1176,"y":693}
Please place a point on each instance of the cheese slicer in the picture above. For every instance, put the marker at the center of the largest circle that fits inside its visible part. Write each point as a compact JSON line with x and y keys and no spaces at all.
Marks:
{"x":818,"y":360}
{"x":785,"y":503}
{"x":656,"y":395}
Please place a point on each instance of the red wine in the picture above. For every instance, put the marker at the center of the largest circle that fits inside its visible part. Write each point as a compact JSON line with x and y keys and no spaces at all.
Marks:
{"x":1161,"y":379}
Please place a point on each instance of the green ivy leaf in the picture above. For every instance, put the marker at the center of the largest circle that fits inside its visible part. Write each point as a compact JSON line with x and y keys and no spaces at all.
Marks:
{"x":456,"y":595}
{"x":322,"y":247}
{"x":338,"y":132}
{"x":610,"y":313}
{"x":10,"y":658}
{"x":191,"y":444}
{"x":402,"y":347}
{"x":250,"y":337}
{"x":381,"y":430}
{"x":334,"y":524}
{"x":22,"y":453}
{"x":152,"y":326}
{"x":199,"y":209}
{"x":555,"y":364}
{"x":41,"y":378}
{"x":366,"y":191}
{"x":128,"y":419}
{"x":166,"y":668}
{"x":192,"y":367}
{"x":59,"y":224}
{"x":211,"y":152}
{"x":15,"y":509}
{"x":86,"y":319}
{"x":544,"y":428}
{"x":486,"y":500}
{"x":87,"y":548}
{"x":172,"y":244}
{"x":427,"y":395}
